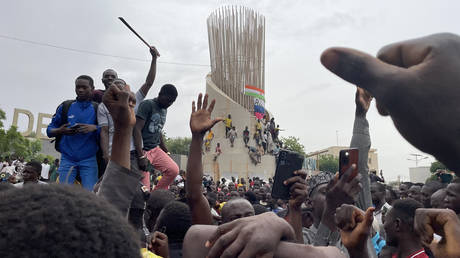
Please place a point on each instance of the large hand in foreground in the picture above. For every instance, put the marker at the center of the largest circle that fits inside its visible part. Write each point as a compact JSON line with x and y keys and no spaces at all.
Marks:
{"x":121,"y":108}
{"x":200,"y":120}
{"x":443,"y":222}
{"x":416,"y":82}
{"x":256,"y":236}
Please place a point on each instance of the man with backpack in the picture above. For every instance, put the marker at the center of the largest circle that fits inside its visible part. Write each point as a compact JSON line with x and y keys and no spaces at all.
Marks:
{"x":75,"y":127}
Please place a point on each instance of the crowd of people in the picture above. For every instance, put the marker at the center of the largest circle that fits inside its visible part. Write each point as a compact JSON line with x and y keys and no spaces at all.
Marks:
{"x":265,"y":138}
{"x":186,"y":214}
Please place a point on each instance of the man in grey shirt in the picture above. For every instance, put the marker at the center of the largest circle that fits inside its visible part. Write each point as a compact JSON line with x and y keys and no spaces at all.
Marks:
{"x":103,"y":115}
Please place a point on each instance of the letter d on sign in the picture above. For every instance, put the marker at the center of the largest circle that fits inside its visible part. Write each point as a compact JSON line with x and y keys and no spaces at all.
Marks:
{"x":30,"y":127}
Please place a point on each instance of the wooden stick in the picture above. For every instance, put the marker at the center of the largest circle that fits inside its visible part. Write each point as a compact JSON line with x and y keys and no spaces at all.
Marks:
{"x":135,"y":33}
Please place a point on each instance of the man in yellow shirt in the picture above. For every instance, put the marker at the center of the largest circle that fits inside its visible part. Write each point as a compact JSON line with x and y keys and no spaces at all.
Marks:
{"x":207,"y":142}
{"x":228,"y":125}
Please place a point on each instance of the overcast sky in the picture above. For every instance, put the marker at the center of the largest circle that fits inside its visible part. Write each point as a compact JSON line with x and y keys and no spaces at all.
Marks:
{"x":307,"y":100}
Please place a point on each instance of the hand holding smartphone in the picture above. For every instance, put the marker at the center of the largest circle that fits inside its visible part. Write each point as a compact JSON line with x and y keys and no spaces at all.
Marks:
{"x":347,"y":158}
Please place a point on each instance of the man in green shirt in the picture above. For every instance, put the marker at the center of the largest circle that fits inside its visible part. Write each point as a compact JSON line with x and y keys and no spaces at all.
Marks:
{"x":148,"y":138}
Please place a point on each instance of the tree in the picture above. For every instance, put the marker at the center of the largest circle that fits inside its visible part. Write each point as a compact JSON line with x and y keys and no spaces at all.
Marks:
{"x":328,"y":163}
{"x":293,"y":144}
{"x":12,"y":142}
{"x":437,"y":165}
{"x":178,"y":145}
{"x":2,"y":117}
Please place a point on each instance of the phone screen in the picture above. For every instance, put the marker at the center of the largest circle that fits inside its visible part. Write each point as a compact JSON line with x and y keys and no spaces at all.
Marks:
{"x":75,"y":126}
{"x":347,"y":158}
{"x":287,"y":163}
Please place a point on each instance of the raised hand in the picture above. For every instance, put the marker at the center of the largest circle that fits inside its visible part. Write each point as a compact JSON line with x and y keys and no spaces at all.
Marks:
{"x":363,"y":101}
{"x":355,"y":226}
{"x":413,"y":81}
{"x":200,"y":120}
{"x":120,"y":105}
{"x":443,"y":222}
{"x":154,"y":52}
{"x":340,"y":190}
{"x":343,"y":190}
{"x":159,"y":244}
{"x":298,"y":189}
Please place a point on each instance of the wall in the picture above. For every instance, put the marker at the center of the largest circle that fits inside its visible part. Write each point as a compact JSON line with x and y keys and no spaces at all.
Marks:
{"x":419,"y":174}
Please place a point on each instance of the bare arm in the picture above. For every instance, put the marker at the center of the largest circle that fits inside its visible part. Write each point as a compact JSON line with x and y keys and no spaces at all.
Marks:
{"x":123,"y":129}
{"x":200,"y":123}
{"x":194,"y":246}
{"x":163,"y":145}
{"x":201,"y":213}
{"x":152,"y":72}
{"x":119,"y":183}
{"x":138,"y":136}
{"x":105,"y":142}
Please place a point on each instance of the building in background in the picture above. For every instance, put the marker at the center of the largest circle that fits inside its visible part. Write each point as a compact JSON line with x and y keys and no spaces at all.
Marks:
{"x":419,"y":174}
{"x":372,"y":161}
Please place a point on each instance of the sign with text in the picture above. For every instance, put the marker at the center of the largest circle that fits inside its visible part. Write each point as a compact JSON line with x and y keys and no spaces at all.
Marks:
{"x":30,"y":122}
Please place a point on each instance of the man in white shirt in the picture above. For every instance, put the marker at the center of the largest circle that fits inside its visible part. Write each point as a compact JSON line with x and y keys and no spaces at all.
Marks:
{"x":30,"y":174}
{"x":45,"y":173}
{"x":8,"y":168}
{"x":103,"y":115}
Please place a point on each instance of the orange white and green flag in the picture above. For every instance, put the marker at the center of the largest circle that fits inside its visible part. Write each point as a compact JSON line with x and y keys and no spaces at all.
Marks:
{"x":259,"y":100}
{"x":254,"y":92}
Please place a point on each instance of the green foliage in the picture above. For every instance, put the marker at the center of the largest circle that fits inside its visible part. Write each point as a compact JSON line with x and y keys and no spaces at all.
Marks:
{"x":12,"y":142}
{"x":178,"y":145}
{"x":293,"y":144}
{"x":437,"y":165}
{"x":2,"y":117}
{"x":328,"y":163}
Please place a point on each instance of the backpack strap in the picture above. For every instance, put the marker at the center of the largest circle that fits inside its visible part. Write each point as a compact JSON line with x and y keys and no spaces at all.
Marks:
{"x":95,"y":106}
{"x":65,"y":110}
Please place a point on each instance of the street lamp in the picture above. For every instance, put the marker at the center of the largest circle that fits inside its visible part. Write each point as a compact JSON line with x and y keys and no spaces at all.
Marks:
{"x":417,"y":158}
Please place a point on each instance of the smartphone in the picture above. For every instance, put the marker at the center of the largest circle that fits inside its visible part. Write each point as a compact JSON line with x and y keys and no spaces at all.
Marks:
{"x":348,"y":157}
{"x":75,"y":126}
{"x":287,"y":163}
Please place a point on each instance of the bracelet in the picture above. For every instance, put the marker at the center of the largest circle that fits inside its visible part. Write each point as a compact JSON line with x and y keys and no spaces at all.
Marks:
{"x":142,"y":157}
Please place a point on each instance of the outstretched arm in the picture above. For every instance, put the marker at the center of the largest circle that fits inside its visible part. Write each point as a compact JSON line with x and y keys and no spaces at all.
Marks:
{"x":200,"y":123}
{"x":119,"y":183}
{"x":152,"y":72}
{"x":362,"y":141}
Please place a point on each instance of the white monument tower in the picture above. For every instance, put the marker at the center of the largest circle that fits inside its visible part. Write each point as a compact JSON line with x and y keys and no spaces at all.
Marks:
{"x":237,"y":51}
